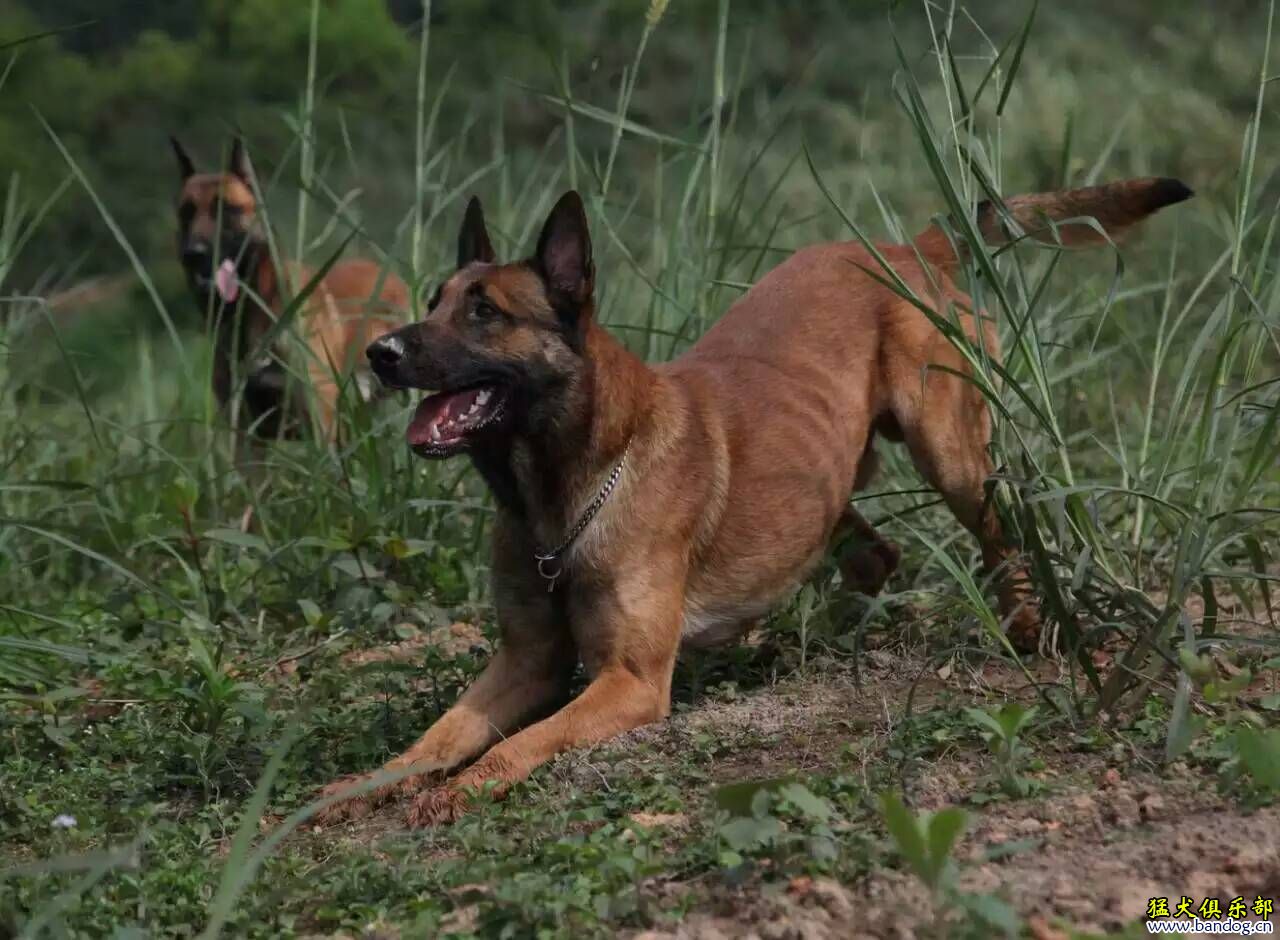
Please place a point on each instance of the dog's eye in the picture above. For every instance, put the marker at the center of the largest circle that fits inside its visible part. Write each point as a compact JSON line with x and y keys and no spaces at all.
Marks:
{"x":186,"y":212}
{"x":483,"y":310}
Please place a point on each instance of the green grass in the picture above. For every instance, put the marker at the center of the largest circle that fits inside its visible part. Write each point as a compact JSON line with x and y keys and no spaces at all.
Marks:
{"x":1137,"y":439}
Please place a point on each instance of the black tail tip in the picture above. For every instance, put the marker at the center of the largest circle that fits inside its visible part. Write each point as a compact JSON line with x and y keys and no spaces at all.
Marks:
{"x":1168,"y":191}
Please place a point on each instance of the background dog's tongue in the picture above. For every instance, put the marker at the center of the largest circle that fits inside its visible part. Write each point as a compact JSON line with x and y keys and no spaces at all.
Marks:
{"x":225,"y":280}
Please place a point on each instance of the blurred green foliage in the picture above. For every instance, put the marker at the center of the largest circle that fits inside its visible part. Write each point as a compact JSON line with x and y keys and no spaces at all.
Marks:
{"x":116,"y":78}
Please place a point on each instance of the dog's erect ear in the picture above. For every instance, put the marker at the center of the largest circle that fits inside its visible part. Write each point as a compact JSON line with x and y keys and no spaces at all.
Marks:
{"x":185,"y":166}
{"x":238,"y":163}
{"x":473,"y":238}
{"x":564,"y":252}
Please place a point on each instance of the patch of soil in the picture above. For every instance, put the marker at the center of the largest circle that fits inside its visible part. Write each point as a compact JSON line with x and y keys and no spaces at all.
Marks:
{"x":1087,"y":854}
{"x":449,"y":641}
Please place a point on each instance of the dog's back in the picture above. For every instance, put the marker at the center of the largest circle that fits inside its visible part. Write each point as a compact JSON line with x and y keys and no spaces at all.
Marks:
{"x":822,"y":332}
{"x":832,"y":357}
{"x":357,"y":301}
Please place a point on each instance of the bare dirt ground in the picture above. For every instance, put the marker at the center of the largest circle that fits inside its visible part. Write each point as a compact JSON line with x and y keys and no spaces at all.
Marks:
{"x":1106,"y":835}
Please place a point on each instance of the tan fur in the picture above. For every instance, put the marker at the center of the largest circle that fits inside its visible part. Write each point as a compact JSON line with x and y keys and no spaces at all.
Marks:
{"x":356,"y":302}
{"x":1061,"y":217}
{"x":743,"y":455}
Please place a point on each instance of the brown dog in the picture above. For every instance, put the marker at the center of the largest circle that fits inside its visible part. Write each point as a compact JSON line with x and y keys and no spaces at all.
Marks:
{"x":642,"y":507}
{"x":236,"y":284}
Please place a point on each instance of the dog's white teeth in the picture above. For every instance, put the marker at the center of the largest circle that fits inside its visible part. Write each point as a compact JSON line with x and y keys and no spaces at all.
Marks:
{"x":435,"y":432}
{"x":481,"y":398}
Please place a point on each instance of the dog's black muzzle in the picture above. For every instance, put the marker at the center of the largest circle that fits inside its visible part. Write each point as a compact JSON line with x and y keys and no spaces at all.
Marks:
{"x":385,"y":355}
{"x":420,"y":356}
{"x":197,"y":261}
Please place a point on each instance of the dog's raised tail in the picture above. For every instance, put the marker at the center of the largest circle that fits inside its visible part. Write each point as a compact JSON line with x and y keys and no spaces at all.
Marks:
{"x":1116,"y":207}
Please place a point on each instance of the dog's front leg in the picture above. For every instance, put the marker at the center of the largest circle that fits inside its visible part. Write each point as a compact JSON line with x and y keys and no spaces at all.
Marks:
{"x":527,"y":676}
{"x":616,"y":701}
{"x":517,"y":684}
{"x":628,"y":633}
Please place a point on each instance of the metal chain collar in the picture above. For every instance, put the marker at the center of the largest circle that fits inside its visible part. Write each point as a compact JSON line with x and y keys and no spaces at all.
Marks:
{"x":546,"y":559}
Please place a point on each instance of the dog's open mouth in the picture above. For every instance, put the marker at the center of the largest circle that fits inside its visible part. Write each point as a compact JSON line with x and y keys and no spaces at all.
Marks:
{"x":224,"y":279}
{"x":446,"y":421}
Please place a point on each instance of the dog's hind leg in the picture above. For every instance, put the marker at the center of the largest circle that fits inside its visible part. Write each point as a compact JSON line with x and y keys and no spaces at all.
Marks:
{"x":865,"y":558}
{"x":948,"y":439}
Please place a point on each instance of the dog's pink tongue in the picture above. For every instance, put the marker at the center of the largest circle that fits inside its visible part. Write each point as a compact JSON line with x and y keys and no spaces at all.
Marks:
{"x":226,"y":282}
{"x":428,"y":410}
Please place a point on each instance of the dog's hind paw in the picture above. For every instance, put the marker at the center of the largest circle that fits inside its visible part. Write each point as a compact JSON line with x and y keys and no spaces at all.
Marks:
{"x":867,"y":568}
{"x":1025,"y":626}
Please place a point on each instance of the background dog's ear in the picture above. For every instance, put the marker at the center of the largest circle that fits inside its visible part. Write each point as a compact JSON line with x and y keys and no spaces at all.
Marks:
{"x":185,"y":166}
{"x":564,"y":252}
{"x":238,"y":163}
{"x":473,"y":239}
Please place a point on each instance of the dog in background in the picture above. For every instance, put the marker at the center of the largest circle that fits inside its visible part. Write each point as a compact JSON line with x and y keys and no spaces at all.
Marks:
{"x":237,"y":285}
{"x":644,"y":507}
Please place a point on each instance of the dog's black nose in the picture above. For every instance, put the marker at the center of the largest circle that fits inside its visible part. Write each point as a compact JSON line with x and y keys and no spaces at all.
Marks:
{"x":385,"y":352}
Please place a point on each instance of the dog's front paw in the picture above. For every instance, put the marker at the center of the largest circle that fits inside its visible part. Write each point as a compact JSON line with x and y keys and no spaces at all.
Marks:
{"x":437,"y":807}
{"x":357,"y":798}
{"x":349,"y":805}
